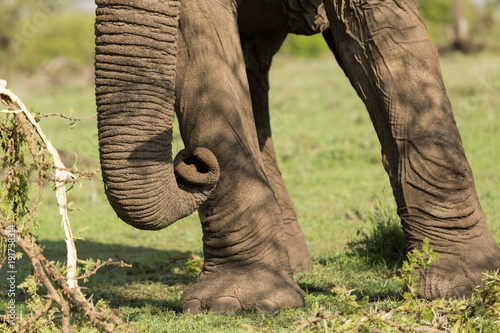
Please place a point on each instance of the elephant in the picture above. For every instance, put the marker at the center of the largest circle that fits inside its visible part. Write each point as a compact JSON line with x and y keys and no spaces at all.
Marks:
{"x":208,"y":62}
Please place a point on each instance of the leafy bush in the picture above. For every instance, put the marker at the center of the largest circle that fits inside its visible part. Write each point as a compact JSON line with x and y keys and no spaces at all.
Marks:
{"x":51,"y":293}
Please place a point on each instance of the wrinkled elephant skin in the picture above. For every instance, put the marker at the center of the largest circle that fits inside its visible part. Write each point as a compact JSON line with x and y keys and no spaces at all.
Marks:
{"x":208,"y":61}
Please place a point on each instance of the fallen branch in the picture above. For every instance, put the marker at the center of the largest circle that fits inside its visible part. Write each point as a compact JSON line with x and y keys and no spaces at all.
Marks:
{"x":27,"y":149}
{"x":61,"y":175}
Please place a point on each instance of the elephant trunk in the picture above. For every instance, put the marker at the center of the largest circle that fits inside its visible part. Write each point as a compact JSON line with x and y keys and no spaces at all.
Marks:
{"x":135,"y":88}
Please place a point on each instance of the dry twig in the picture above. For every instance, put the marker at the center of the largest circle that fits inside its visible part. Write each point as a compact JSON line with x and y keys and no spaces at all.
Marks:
{"x":14,"y":103}
{"x":64,"y":116}
{"x":61,"y":290}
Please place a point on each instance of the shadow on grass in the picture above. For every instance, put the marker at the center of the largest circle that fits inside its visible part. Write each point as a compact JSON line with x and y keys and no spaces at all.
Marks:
{"x":369,"y":264}
{"x":382,"y":245}
{"x":351,"y":272}
{"x":155,"y":278}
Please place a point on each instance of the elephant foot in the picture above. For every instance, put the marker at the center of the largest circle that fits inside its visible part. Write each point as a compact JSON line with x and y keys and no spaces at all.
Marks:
{"x":239,"y":288}
{"x":460,"y":268}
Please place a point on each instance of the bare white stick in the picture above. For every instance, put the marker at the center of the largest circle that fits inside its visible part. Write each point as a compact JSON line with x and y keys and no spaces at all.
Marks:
{"x":61,"y":175}
{"x":8,"y":111}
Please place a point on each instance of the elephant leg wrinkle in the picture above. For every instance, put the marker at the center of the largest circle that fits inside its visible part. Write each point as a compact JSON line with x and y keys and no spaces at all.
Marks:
{"x":258,"y":50}
{"x":154,"y":57}
{"x":385,"y":50}
{"x":246,"y":261}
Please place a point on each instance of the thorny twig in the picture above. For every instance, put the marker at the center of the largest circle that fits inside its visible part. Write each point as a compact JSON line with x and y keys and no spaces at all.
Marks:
{"x":14,"y":103}
{"x":32,"y":251}
{"x":101,"y":265}
{"x":64,"y":116}
{"x":62,"y":290}
{"x":29,"y":141}
{"x":400,"y":327}
{"x":47,"y":273}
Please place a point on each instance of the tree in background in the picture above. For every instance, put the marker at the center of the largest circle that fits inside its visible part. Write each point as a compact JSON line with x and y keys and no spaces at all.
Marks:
{"x":459,"y":24}
{"x":461,"y":37}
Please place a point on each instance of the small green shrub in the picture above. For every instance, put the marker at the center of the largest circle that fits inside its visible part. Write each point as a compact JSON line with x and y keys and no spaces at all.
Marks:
{"x":384,"y":245}
{"x":416,"y":258}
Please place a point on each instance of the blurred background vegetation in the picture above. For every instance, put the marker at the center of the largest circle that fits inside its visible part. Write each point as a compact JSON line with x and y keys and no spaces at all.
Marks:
{"x":476,"y":21}
{"x":53,"y":38}
{"x":46,"y":37}
{"x":330,"y":160}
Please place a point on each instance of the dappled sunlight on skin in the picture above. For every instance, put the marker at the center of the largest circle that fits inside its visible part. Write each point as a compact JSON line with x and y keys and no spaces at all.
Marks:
{"x":245,"y":253}
{"x":385,"y":51}
{"x":241,"y":221}
{"x":396,"y":73}
{"x":250,"y":282}
{"x":222,"y":108}
{"x":258,"y":51}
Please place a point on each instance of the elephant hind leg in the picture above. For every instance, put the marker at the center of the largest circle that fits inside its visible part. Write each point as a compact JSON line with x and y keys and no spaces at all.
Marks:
{"x":385,"y":50}
{"x":258,"y":52}
{"x":300,"y":258}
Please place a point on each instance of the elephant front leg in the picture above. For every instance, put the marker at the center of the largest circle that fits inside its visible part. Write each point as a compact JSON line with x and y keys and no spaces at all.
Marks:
{"x":258,"y":51}
{"x":384,"y":48}
{"x":246,"y":262}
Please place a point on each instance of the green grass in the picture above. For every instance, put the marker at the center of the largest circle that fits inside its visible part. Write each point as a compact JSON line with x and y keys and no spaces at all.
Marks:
{"x":330,"y":159}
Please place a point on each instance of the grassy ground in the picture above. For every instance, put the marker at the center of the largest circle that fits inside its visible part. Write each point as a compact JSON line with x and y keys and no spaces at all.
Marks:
{"x":330,"y":159}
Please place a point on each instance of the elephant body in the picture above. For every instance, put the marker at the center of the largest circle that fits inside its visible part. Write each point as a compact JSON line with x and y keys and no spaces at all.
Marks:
{"x":209,"y":61}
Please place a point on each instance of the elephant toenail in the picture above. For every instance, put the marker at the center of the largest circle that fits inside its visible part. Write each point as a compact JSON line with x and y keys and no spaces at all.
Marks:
{"x":225,"y":305}
{"x":193,"y":307}
{"x":266,"y":306}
